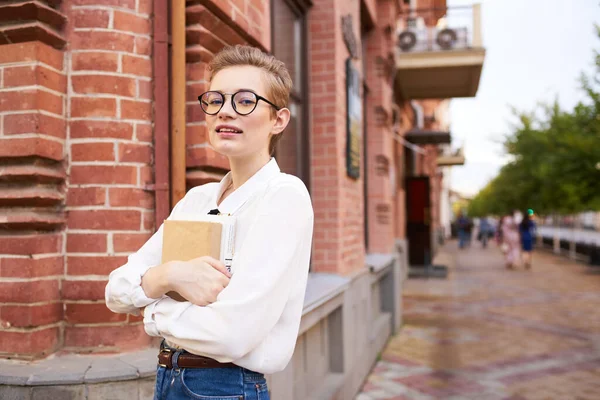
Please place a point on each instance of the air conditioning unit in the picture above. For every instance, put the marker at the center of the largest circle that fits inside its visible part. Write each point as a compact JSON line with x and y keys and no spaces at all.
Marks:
{"x":407,"y":40}
{"x":446,"y":38}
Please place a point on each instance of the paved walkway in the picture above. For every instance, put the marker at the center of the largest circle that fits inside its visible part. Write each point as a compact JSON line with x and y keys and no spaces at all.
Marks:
{"x":489,"y":333}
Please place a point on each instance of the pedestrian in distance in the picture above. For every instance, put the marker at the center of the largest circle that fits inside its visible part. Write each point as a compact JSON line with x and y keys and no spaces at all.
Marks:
{"x":462,"y":226}
{"x":469,"y":232}
{"x":527,"y":235}
{"x":485,"y":231}
{"x":511,"y":242}
{"x":231,"y":328}
{"x":499,"y":237}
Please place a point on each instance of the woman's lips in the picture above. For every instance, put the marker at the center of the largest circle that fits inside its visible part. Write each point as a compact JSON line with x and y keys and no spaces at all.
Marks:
{"x":228,"y":129}
{"x":228,"y":134}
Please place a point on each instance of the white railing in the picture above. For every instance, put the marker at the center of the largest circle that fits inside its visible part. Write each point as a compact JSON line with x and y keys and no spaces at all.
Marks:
{"x":440,"y":29}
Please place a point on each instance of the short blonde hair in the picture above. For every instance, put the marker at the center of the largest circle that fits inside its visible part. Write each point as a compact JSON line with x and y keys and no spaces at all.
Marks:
{"x":278,"y":80}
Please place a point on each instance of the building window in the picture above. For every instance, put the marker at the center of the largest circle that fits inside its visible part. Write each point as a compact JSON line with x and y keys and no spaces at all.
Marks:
{"x":289,"y":46}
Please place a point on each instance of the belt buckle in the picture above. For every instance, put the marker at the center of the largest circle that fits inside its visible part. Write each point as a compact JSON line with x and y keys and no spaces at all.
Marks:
{"x":166,"y":350}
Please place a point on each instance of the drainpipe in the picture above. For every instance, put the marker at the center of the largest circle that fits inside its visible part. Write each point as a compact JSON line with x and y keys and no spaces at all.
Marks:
{"x":177,"y":100}
{"x":161,"y":110}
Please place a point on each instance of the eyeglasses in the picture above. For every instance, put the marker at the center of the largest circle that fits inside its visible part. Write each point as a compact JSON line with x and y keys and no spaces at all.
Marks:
{"x":243,"y":102}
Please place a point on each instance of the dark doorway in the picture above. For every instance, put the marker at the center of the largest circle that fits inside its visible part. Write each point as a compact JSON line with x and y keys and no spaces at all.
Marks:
{"x":418,"y":217}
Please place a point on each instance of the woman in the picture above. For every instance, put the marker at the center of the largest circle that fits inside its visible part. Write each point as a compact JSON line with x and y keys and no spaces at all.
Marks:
{"x":510,"y":240}
{"x":499,"y":238}
{"x":526,"y":231}
{"x":233,"y":328}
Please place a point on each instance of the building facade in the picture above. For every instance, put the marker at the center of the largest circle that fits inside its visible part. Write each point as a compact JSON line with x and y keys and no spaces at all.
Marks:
{"x":101,"y":134}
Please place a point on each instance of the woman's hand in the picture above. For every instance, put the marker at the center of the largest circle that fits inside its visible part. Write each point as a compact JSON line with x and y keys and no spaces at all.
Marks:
{"x":198,"y":281}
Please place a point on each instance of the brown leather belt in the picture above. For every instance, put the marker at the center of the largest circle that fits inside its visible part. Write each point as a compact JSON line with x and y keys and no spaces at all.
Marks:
{"x":188,"y":360}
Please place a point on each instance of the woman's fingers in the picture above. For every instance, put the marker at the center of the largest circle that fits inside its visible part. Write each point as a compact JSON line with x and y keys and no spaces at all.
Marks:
{"x":216,"y":264}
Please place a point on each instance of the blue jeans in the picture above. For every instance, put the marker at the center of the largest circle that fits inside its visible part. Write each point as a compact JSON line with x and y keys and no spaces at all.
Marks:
{"x":463,"y":238}
{"x":234,"y":383}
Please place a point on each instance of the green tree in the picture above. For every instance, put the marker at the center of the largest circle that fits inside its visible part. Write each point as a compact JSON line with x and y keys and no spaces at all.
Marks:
{"x":556,"y":159}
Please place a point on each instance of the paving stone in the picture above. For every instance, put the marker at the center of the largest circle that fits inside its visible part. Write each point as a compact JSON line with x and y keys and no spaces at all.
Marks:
{"x":69,"y":370}
{"x":15,"y":392}
{"x":109,"y":369}
{"x":113,"y":390}
{"x":71,"y":392}
{"x":12,"y":373}
{"x":488,"y":333}
{"x":146,"y":388}
{"x":144,"y":361}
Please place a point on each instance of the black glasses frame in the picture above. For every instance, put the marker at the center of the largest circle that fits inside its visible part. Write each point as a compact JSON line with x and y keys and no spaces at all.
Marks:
{"x":232,"y":95}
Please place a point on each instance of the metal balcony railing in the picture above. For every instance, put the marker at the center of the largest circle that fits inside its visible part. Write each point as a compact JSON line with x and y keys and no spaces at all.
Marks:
{"x":440,"y":29}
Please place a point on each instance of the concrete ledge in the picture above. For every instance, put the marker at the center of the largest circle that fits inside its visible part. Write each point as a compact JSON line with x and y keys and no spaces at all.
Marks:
{"x":324,"y":294}
{"x":75,"y":369}
{"x":377,"y":262}
{"x":331,"y":388}
{"x":321,"y":288}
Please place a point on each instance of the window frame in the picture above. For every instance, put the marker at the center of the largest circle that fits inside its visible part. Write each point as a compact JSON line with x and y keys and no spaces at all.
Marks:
{"x":300,"y":9}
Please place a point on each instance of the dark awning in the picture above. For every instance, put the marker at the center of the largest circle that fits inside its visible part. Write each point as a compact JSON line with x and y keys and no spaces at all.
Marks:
{"x":418,"y":136}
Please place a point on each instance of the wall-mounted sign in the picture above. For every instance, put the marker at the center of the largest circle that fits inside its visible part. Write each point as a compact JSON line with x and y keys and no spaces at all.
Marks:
{"x":348,"y":34}
{"x":382,"y":165}
{"x":353,"y":120}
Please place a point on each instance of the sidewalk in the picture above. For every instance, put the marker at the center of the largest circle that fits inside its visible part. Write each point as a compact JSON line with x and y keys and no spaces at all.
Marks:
{"x":489,"y":333}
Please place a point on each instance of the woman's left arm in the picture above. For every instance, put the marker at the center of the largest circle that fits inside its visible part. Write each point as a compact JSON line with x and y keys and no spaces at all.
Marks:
{"x":273,"y":259}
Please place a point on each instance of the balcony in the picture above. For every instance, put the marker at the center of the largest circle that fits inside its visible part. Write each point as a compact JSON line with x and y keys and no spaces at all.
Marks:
{"x":448,"y":158}
{"x":428,"y":136}
{"x":439,"y":53}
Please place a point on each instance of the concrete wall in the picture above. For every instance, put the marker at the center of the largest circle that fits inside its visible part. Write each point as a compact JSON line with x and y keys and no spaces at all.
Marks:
{"x":345,"y":324}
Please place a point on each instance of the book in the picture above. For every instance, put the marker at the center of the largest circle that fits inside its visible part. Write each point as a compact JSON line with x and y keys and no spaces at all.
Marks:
{"x":195,"y":236}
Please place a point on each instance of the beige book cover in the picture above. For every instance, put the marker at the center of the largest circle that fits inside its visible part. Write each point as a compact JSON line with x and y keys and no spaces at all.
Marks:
{"x":186,"y":240}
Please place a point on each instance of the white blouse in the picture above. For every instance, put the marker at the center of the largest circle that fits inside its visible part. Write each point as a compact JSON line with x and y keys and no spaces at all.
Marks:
{"x":255,"y":321}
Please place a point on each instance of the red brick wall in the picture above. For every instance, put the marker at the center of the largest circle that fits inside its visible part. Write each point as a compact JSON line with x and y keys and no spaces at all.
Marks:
{"x":337,"y":199}
{"x":326,"y":144}
{"x":76,"y":130}
{"x":405,"y":123}
{"x":382,"y":211}
{"x":110,"y":201}
{"x":32,"y":148}
{"x":350,"y":214}
{"x":251,"y":18}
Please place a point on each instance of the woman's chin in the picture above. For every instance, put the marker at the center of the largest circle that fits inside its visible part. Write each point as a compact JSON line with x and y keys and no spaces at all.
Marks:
{"x":227,"y":149}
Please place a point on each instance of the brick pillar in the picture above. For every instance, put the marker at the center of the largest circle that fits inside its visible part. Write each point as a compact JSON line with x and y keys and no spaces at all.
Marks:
{"x":110,"y":197}
{"x":337,"y":199}
{"x":380,"y":67}
{"x":404,"y":123}
{"x":32,"y":176}
{"x":324,"y":168}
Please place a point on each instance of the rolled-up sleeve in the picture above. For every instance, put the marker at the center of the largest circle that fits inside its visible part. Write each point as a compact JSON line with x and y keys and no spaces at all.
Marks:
{"x":124,"y":293}
{"x":274,"y":257}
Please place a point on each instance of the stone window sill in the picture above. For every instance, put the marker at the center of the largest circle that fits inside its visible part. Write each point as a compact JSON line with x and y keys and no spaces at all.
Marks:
{"x":324,"y":294}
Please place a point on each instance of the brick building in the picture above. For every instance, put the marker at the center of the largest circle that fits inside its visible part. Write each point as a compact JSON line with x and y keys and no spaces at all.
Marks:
{"x":101,"y":133}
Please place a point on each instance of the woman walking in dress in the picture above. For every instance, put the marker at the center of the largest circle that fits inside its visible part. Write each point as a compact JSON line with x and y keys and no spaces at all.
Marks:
{"x":527,"y":232}
{"x":510,"y":239}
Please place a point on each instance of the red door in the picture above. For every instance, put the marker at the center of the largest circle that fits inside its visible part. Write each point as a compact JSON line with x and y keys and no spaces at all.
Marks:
{"x":418,"y":217}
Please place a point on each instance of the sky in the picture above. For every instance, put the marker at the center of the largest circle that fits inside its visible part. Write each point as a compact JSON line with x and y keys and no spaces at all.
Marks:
{"x":535,"y":52}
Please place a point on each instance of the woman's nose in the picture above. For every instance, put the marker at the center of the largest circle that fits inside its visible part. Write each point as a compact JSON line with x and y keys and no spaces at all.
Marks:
{"x":227,"y":109}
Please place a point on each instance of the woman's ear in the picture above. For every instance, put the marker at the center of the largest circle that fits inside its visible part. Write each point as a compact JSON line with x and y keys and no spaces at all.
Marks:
{"x":281,"y":121}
